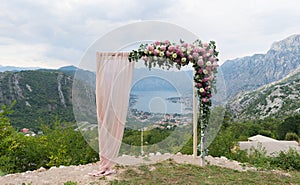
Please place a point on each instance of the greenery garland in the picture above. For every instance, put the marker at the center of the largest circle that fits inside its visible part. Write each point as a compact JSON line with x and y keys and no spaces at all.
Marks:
{"x":203,"y":57}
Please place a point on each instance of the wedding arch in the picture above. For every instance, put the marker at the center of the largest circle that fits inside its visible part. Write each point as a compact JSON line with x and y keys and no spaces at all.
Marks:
{"x":116,"y":78}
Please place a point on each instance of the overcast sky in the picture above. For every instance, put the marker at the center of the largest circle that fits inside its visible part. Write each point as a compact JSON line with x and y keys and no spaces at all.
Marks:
{"x":44,"y":33}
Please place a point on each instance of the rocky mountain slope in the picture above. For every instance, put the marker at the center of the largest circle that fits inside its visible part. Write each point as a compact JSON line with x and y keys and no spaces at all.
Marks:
{"x":277,"y":99}
{"x":41,"y":96}
{"x":252,"y":72}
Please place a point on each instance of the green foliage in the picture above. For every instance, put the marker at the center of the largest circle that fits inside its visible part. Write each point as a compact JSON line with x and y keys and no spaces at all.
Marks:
{"x":291,"y":136}
{"x":66,"y":146}
{"x":290,"y":124}
{"x":223,"y":144}
{"x":287,"y":161}
{"x":58,"y":146}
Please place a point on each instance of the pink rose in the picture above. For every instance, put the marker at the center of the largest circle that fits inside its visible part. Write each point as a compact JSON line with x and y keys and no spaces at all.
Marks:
{"x":215,"y":64}
{"x":208,"y":68}
{"x":212,"y":59}
{"x":190,"y":57}
{"x":150,"y":47}
{"x":211,"y":51}
{"x":171,"y":48}
{"x":200,"y":71}
{"x":205,"y":100}
{"x":167,"y":42}
{"x":157,"y":43}
{"x":185,"y":45}
{"x":145,"y":58}
{"x":205,"y":44}
{"x":163,"y":48}
{"x":204,"y":79}
{"x":155,"y":52}
{"x":199,"y":84}
{"x":168,"y":53}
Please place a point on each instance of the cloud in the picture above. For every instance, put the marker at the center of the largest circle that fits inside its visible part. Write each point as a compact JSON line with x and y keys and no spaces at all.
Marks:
{"x":58,"y":32}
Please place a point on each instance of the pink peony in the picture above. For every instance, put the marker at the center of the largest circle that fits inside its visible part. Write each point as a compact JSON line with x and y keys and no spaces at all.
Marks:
{"x":212,"y":59}
{"x":205,"y":80}
{"x":211,"y":51}
{"x":157,"y":43}
{"x":199,"y":84}
{"x":200,"y":71}
{"x":202,"y":50}
{"x":200,"y":62}
{"x":196,"y":50}
{"x":162,"y":48}
{"x":205,"y":44}
{"x":185,"y":45}
{"x":167,"y":42}
{"x":190,"y":57}
{"x":195,"y":55}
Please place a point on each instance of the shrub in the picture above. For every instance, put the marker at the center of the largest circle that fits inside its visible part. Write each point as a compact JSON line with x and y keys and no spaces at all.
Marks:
{"x":287,"y":160}
{"x":291,"y":136}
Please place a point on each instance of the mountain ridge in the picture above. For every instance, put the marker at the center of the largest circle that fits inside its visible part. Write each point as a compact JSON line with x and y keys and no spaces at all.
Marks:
{"x":252,"y":72}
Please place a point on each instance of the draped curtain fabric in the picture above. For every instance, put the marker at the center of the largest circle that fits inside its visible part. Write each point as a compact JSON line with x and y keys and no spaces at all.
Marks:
{"x":113,"y":82}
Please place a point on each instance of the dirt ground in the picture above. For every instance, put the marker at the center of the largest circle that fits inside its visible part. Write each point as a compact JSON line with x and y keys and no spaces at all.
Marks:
{"x":80,"y":175}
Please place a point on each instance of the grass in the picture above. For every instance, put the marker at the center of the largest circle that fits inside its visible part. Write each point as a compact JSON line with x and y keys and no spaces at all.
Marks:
{"x":169,"y":172}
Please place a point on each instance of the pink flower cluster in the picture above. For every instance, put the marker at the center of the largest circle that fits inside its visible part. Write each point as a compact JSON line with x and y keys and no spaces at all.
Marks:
{"x":202,"y":55}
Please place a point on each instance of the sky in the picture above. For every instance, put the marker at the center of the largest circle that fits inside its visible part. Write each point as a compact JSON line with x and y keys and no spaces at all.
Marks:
{"x":56,"y":33}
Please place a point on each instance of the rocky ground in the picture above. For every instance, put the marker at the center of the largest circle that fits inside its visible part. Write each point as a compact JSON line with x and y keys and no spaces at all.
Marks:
{"x":80,"y":175}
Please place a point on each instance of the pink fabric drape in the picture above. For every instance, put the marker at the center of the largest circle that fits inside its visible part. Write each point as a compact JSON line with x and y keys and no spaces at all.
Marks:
{"x":113,"y":82}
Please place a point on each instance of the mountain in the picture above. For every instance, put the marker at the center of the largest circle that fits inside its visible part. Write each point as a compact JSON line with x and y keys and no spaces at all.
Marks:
{"x":41,"y":97}
{"x":252,"y":72}
{"x":12,"y":68}
{"x":278,"y":99}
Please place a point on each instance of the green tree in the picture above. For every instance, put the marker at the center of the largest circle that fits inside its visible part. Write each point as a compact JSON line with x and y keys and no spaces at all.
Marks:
{"x":290,"y":124}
